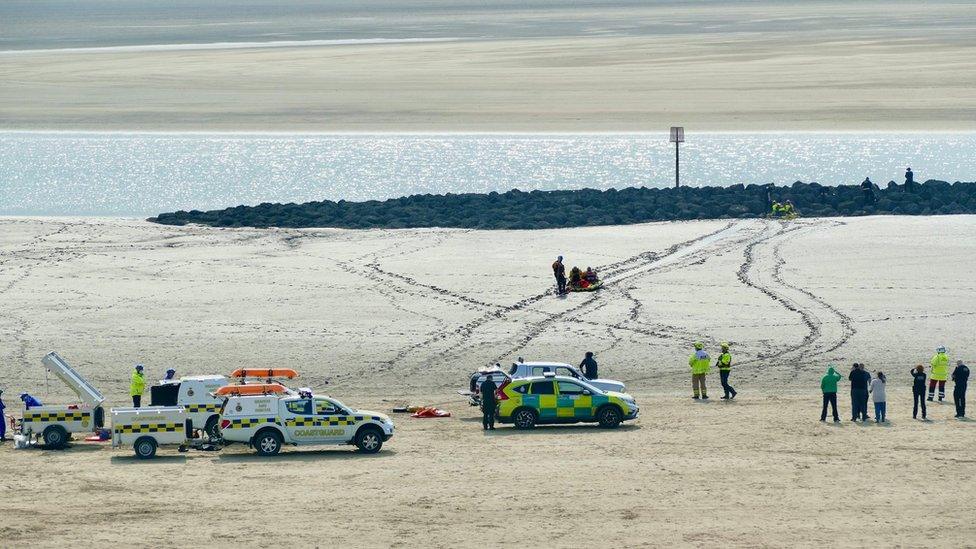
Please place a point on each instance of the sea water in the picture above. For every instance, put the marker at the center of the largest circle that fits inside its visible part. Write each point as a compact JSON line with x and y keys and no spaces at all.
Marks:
{"x":135,"y":174}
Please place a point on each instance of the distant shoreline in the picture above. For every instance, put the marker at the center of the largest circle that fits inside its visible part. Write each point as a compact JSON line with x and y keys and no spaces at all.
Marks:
{"x":589,"y":207}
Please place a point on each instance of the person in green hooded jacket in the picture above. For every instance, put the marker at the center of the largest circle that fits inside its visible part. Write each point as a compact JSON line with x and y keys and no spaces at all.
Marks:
{"x":828,"y":384}
{"x":700,"y":365}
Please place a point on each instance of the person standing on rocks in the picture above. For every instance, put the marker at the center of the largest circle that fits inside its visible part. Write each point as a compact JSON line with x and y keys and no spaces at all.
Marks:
{"x":918,"y":391}
{"x":700,"y":365}
{"x":909,"y":179}
{"x":960,"y":376}
{"x":828,"y":385}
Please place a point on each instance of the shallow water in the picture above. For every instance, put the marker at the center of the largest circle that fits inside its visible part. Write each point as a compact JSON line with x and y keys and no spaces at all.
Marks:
{"x":119,"y":174}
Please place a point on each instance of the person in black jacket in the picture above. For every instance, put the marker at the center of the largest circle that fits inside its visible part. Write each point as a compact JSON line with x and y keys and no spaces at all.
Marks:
{"x":960,"y":376}
{"x":488,"y":403}
{"x":859,"y":378}
{"x":918,"y":390}
{"x":589,"y":366}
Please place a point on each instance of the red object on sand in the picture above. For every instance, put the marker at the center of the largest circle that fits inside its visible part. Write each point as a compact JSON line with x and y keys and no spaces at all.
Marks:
{"x":430,"y":413}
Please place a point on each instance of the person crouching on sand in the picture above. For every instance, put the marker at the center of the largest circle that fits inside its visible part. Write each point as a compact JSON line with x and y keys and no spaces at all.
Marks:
{"x":828,"y":385}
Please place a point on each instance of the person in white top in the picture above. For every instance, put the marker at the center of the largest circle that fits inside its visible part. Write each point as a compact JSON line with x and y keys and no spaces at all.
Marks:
{"x":878,"y":393}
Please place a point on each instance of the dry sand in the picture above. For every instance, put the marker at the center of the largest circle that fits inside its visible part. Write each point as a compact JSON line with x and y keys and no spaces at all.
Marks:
{"x":709,"y":66}
{"x":403,"y":316}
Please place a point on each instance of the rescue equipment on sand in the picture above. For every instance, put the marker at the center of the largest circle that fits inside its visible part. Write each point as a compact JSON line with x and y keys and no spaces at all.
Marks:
{"x":586,"y":287}
{"x":430,"y":413}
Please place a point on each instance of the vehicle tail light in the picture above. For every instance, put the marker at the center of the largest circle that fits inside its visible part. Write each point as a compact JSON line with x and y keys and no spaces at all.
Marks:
{"x":500,"y":393}
{"x":225,"y":423}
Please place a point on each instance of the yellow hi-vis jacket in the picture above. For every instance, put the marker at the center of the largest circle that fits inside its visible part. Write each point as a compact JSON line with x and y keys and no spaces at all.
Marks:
{"x":725,"y":362}
{"x":940,"y":367}
{"x":699,"y":362}
{"x":138,"y":385}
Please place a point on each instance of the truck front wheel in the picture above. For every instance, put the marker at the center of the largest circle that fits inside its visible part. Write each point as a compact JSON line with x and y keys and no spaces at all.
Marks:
{"x":267,"y":443}
{"x":212,"y":427}
{"x":55,"y":437}
{"x":369,"y":440}
{"x":145,"y":447}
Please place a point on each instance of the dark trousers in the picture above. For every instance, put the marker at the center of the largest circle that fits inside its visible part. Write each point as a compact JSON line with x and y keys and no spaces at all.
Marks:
{"x":830,"y":398}
{"x":3,"y":425}
{"x":919,"y":400}
{"x":859,"y":404}
{"x":488,"y":415}
{"x":959,"y":397}
{"x":724,"y":375}
{"x":941,"y":384}
{"x":136,"y":401}
{"x":561,"y":284}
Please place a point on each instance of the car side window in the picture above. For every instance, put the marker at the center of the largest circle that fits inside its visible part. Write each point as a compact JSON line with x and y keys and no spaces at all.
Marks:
{"x":568,"y":372}
{"x":542,"y":388}
{"x":567,"y":388}
{"x":303,"y":406}
{"x":325,"y":408}
{"x":522,"y":389}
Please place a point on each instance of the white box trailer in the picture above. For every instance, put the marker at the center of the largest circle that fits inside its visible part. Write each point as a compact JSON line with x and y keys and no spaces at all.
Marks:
{"x":55,"y":423}
{"x":146,"y":429}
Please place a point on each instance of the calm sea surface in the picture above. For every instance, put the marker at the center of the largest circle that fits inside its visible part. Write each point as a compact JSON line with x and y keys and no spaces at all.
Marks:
{"x":119,"y":174}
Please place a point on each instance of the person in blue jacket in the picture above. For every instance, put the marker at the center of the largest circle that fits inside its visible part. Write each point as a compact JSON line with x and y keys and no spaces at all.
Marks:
{"x":3,"y":420}
{"x":29,"y":401}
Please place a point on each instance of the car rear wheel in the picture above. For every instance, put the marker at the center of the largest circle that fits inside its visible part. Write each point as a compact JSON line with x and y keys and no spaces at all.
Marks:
{"x":55,"y":437}
{"x":524,"y":419}
{"x":609,"y":417}
{"x":369,"y":441}
{"x":145,"y":447}
{"x":267,"y":443}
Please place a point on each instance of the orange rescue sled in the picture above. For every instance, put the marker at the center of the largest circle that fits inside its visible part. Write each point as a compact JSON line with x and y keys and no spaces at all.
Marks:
{"x":252,"y":389}
{"x":287,"y":373}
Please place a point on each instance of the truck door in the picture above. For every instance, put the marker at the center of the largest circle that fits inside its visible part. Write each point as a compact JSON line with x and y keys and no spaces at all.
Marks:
{"x":300,"y":422}
{"x":338,"y":426}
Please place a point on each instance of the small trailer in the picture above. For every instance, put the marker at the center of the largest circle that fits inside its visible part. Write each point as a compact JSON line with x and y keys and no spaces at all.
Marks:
{"x":146,"y":429}
{"x":55,"y":424}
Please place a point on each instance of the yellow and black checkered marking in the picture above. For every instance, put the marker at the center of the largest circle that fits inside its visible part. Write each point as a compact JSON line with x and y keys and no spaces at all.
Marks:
{"x":247,"y":422}
{"x":333,"y":421}
{"x":194,"y":408}
{"x":56,"y":416}
{"x":148,"y":428}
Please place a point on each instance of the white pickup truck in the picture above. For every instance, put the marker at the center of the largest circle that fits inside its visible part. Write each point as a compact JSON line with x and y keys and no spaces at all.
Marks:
{"x":55,"y":423}
{"x":195,"y":394}
{"x":267,"y":421}
{"x":521,"y":370}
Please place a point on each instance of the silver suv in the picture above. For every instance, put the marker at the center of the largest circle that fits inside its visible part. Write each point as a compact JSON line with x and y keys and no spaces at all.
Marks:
{"x":521,"y":370}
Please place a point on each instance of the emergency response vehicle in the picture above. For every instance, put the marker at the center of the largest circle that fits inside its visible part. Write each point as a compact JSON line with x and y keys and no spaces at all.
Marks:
{"x":561,"y":399}
{"x":267,"y":416}
{"x":146,"y":429}
{"x":195,"y":394}
{"x":54,"y":424}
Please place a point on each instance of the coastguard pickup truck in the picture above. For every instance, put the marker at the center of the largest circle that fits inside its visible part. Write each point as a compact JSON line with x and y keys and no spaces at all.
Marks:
{"x":195,"y":395}
{"x":278,"y":416}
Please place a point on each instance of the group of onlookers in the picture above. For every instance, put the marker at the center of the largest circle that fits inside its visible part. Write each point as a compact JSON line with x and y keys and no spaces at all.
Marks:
{"x":864,"y":385}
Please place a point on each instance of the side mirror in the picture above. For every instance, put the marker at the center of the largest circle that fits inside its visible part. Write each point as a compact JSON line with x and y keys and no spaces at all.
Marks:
{"x":587,"y":392}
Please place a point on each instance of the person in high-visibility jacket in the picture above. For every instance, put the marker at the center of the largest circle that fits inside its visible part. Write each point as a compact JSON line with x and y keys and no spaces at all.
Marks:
{"x":137,"y":386}
{"x":724,"y":364}
{"x":939,"y":374}
{"x":700,"y":366}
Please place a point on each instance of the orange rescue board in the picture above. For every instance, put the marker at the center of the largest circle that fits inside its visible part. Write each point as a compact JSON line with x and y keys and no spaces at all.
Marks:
{"x":253,"y":389}
{"x":265,"y":372}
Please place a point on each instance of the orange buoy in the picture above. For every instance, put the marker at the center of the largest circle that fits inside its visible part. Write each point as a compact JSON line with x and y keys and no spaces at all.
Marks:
{"x":252,"y":389}
{"x":265,"y":372}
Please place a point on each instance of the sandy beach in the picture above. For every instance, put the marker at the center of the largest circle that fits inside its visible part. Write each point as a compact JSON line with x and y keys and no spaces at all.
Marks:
{"x":393,"y":317}
{"x":615,"y":66}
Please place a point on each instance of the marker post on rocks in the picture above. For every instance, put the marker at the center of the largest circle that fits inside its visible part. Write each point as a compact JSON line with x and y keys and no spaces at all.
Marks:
{"x":677,"y":137}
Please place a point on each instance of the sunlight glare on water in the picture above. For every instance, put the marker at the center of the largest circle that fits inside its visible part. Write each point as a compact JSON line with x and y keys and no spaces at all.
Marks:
{"x":118,"y":174}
